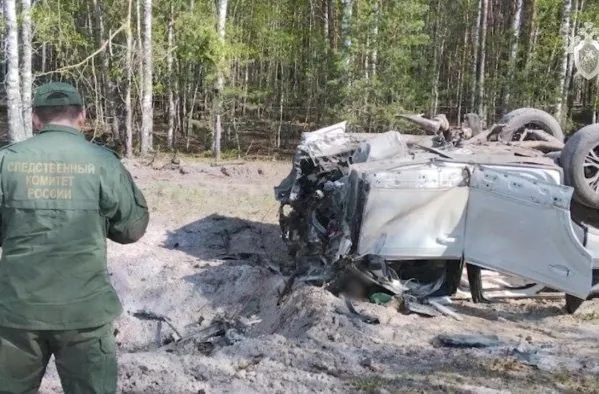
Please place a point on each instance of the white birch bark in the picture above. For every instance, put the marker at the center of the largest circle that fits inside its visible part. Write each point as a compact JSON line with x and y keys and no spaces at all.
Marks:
{"x":576,"y":9}
{"x":516,"y":25}
{"x":375,"y":37}
{"x":147,"y":112}
{"x":220,"y":81}
{"x":27,"y":78}
{"x":16,"y":132}
{"x":346,"y":34}
{"x":482,"y":59}
{"x":565,"y":33}
{"x":139,"y":55}
{"x":128,"y":105}
{"x":475,"y":53}
{"x":169,"y":65}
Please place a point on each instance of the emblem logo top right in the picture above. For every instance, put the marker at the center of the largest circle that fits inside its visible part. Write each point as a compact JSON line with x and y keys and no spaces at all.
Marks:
{"x":585,"y":49}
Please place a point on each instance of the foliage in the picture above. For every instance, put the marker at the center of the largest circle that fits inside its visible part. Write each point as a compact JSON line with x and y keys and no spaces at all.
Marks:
{"x":288,"y":61}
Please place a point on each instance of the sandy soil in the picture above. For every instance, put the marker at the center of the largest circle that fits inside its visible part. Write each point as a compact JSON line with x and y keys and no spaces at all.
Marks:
{"x":209,"y":256}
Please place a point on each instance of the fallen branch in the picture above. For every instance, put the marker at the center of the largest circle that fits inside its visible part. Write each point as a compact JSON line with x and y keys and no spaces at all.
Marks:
{"x":81,"y":63}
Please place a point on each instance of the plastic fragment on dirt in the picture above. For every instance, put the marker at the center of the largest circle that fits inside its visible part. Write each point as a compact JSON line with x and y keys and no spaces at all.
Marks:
{"x":380,"y":298}
{"x":411,"y":304}
{"x":444,"y":309}
{"x":469,"y":340}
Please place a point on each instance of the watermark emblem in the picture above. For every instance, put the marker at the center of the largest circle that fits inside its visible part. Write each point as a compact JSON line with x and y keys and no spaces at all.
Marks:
{"x":585,"y":49}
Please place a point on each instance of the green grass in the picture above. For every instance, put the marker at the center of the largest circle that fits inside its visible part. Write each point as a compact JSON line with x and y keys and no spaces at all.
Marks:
{"x":368,"y":384}
{"x":590,"y":316}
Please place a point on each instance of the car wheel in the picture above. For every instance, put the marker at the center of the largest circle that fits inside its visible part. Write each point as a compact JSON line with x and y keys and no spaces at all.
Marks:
{"x":517,"y":120}
{"x":580,"y":162}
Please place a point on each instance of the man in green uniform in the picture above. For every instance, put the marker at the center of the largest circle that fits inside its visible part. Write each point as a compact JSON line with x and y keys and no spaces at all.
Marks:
{"x":61,"y":197}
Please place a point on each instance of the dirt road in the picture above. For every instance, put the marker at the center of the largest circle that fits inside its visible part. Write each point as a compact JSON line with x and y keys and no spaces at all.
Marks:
{"x":210,"y":256}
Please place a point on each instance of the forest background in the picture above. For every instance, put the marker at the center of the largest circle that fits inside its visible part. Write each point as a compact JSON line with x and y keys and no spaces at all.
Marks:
{"x":246,"y":77}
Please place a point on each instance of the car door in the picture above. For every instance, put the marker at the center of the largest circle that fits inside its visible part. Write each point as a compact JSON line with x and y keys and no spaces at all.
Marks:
{"x":521,"y":225}
{"x":414,"y":211}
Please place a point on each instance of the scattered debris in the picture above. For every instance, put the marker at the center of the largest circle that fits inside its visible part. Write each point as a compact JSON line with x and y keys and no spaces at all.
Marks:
{"x":444,"y":309}
{"x":365,"y":318}
{"x":469,"y":340}
{"x":148,"y":315}
{"x":380,"y":298}
{"x":411,"y":304}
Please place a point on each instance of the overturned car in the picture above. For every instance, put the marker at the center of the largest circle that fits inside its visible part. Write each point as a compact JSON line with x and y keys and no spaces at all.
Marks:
{"x":407,"y":213}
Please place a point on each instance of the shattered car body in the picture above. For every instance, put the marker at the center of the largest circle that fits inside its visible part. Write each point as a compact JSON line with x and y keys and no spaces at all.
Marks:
{"x":405,"y":213}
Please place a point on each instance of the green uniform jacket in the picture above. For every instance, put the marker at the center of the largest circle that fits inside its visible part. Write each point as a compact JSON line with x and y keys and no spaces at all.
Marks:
{"x":61,"y":198}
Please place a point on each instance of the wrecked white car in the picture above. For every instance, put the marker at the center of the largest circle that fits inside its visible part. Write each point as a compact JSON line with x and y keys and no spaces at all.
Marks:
{"x":406,"y":213}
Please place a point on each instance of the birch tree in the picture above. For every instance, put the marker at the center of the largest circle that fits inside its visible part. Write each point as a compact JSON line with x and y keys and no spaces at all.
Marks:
{"x":438,"y":47}
{"x":482,"y":111}
{"x":294,"y":64}
{"x":171,"y":78}
{"x":346,"y":21}
{"x":16,"y":131}
{"x":220,"y":82}
{"x":26,"y":75}
{"x":563,"y":75}
{"x":516,"y":23}
{"x":129,"y":66}
{"x":147,"y":111}
{"x":476,"y":53}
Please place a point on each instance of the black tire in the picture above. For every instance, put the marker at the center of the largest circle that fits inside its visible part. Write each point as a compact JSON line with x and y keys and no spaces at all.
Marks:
{"x":517,"y":119}
{"x":573,"y":302}
{"x":475,"y":282}
{"x":580,"y":162}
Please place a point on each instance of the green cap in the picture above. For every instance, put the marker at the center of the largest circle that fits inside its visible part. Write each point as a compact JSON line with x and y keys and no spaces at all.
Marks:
{"x":55,"y":94}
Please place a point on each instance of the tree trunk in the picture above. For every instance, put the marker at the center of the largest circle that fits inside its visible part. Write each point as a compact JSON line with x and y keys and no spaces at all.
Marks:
{"x":140,"y":56}
{"x":147,"y":112}
{"x":220,"y":82}
{"x":347,"y":41}
{"x":375,"y":37}
{"x":326,"y":23}
{"x":516,"y":24}
{"x":438,"y":46}
{"x":333,"y":25}
{"x":481,"y":69}
{"x":128,"y":105}
{"x":169,"y":63}
{"x":99,"y":37}
{"x":567,"y":94}
{"x":475,"y":53}
{"x":565,"y":33}
{"x":27,"y":79}
{"x":16,"y":132}
{"x":44,"y":57}
{"x":462,"y":72}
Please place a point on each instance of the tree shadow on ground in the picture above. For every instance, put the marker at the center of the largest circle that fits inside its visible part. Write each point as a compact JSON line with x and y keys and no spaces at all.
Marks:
{"x":491,"y":312}
{"x":218,"y":237}
{"x":238,"y":264}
